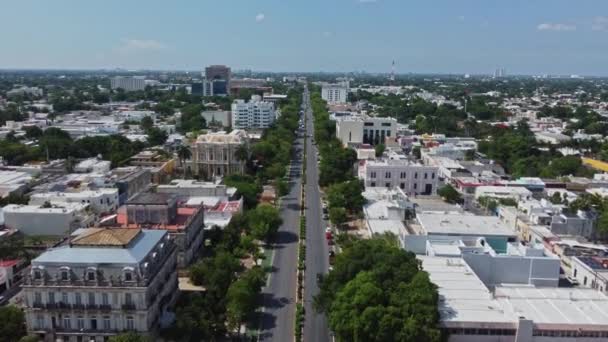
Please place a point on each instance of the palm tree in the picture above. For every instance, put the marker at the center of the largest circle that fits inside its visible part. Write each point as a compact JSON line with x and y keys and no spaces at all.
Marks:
{"x":184,"y":153}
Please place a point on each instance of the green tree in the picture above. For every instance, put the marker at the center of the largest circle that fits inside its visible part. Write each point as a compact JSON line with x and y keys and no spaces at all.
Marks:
{"x":146,"y":123}
{"x":242,"y":297}
{"x":379,"y":149}
{"x":337,"y":216}
{"x":184,"y":153}
{"x":264,"y":221}
{"x":13,"y":323}
{"x":449,"y":194}
{"x":246,"y":186}
{"x":33,"y":132}
{"x":216,"y":273}
{"x":156,"y":136}
{"x":378,"y":292}
{"x":346,"y":195}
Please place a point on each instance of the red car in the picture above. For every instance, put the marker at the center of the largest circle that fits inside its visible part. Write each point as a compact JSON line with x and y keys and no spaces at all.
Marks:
{"x":328,"y":235}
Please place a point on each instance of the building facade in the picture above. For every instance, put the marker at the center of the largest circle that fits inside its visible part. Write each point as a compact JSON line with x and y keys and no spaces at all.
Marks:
{"x":214,"y":154}
{"x":104,"y":282}
{"x":255,"y":114}
{"x":56,"y":219}
{"x":127,"y":83}
{"x":410,"y":177}
{"x":334,"y":93}
{"x":351,"y":129}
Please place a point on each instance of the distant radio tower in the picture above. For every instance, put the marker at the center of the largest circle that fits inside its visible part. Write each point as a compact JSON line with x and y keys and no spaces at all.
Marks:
{"x":392,"y":77}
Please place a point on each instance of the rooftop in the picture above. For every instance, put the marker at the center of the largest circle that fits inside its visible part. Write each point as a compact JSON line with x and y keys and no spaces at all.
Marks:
{"x":106,"y":237}
{"x":150,"y":198}
{"x":463,"y":224}
{"x":595,"y":263}
{"x":134,"y":253}
{"x":237,"y":136}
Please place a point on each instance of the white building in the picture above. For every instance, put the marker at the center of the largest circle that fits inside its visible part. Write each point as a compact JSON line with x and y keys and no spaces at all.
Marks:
{"x":34,"y":91}
{"x":57,"y":220}
{"x":358,"y":129}
{"x":516,"y":193}
{"x":591,"y":271}
{"x":221,"y":118}
{"x":551,"y":137}
{"x":103,"y":282}
{"x":14,"y":182}
{"x":93,"y":165}
{"x":471,"y":311}
{"x":101,"y":201}
{"x":128,"y":83}
{"x":335,"y":93}
{"x":385,"y":211}
{"x":412,"y":178}
{"x":254,"y":114}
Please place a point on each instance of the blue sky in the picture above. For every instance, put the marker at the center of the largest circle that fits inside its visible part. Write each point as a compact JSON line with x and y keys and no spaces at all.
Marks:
{"x":436,"y":36}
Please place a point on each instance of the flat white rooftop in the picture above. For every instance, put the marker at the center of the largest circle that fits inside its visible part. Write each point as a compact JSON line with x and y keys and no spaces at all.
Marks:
{"x":463,"y":224}
{"x":465,"y":299}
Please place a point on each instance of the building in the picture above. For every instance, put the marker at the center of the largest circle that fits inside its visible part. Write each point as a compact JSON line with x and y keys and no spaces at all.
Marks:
{"x":215,"y":154}
{"x":127,"y":83}
{"x":410,"y":177}
{"x":363,"y":129}
{"x":551,"y":138}
{"x":447,"y":225}
{"x":131,"y":181}
{"x":103,"y":282}
{"x":218,"y":77}
{"x":23,"y":91}
{"x":470,"y":310}
{"x":192,"y":188}
{"x":164,"y":212}
{"x":14,"y":182}
{"x":104,"y":200}
{"x":515,"y":193}
{"x":591,"y":271}
{"x":255,"y":114}
{"x":93,"y":165}
{"x":385,"y":211}
{"x":161,"y":165}
{"x":217,"y":118}
{"x":55,"y":219}
{"x":335,"y":93}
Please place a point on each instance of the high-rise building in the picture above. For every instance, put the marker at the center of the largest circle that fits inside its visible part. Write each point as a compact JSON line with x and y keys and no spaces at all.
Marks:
{"x":102,"y":282}
{"x":128,"y":83}
{"x":335,"y":93}
{"x":256,"y":114}
{"x":218,"y":77}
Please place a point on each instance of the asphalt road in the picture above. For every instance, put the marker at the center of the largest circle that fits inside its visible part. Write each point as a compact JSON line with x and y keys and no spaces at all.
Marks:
{"x":277,"y":317}
{"x":317,"y":250}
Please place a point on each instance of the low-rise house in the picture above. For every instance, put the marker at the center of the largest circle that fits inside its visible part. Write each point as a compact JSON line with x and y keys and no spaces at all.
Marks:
{"x":101,"y":201}
{"x":503,"y":192}
{"x":411,"y":177}
{"x":50,"y":219}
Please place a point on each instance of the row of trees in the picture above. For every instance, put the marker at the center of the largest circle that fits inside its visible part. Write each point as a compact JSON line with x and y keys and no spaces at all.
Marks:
{"x":378,"y":292}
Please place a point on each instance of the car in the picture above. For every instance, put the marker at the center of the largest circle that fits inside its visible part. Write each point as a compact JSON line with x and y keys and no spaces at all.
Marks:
{"x":330,"y":242}
{"x":329,"y":235}
{"x":328,"y":229}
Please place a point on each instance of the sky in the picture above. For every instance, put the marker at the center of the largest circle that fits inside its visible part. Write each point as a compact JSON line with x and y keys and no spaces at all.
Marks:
{"x":421,"y":36}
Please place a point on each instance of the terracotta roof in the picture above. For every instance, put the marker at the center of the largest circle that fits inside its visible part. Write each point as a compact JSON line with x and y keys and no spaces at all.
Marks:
{"x":106,"y":237}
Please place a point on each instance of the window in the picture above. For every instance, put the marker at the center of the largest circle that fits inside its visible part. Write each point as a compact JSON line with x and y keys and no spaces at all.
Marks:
{"x":386,"y":124}
{"x":40,"y":322}
{"x":93,"y":323}
{"x":426,"y":175}
{"x":91,"y":275}
{"x":575,"y":273}
{"x":80,"y":323}
{"x":416,"y":175}
{"x":387,"y":175}
{"x":129,"y":275}
{"x":67,"y":324}
{"x":52,"y":297}
{"x":402,"y":185}
{"x":107,"y":325}
{"x":388,"y":185}
{"x":38,"y":297}
{"x":91,"y":298}
{"x":37,"y":275}
{"x":64,"y":298}
{"x":64,"y":275}
{"x":403,"y":175}
{"x":373,"y":184}
{"x":130,"y":323}
{"x":433,"y":175}
{"x":374,"y":174}
{"x":585,"y":280}
{"x":128,"y":299}
{"x":415,"y":186}
{"x":77,"y":298}
{"x":104,"y":299}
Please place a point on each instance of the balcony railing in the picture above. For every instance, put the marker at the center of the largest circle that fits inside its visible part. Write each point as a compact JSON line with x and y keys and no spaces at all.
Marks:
{"x":129,"y":307}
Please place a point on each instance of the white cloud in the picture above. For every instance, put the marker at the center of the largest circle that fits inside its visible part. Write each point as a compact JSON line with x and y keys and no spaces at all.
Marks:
{"x":128,"y":45}
{"x":600,"y":24}
{"x":260,"y":17}
{"x":555,"y":27}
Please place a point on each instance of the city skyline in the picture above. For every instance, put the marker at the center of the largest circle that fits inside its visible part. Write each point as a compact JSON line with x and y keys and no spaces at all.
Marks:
{"x":545,"y":37}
